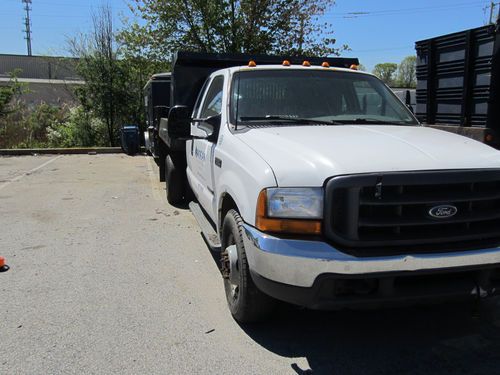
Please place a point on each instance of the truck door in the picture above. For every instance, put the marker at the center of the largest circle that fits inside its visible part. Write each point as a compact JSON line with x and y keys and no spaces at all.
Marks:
{"x":202,"y":150}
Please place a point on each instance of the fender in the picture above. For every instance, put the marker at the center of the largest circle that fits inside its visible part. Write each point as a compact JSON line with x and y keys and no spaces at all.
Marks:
{"x":230,"y":185}
{"x":243,"y":186}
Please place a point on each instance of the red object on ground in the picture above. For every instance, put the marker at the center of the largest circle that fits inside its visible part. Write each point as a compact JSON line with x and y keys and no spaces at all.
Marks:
{"x":3,"y":266}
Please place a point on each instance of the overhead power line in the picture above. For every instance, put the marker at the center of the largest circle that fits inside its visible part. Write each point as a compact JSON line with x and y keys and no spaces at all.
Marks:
{"x":120,"y":6}
{"x":390,"y":12}
{"x":381,"y":49}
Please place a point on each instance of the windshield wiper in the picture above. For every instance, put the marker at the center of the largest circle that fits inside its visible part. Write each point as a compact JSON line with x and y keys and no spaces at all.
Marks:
{"x":368,"y":121}
{"x":294,"y":120}
{"x":297,"y":120}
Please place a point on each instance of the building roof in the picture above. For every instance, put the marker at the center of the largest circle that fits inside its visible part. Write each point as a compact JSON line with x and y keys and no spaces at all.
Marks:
{"x":39,"y":67}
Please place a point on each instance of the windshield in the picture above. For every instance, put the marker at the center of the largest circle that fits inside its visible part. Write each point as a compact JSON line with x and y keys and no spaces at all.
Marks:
{"x":311,"y":97}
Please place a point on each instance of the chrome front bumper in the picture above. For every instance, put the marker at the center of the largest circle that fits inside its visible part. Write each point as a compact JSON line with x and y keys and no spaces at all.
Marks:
{"x":299,"y":263}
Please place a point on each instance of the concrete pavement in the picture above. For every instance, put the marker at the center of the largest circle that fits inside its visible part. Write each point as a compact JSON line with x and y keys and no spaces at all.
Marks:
{"x":107,"y":278}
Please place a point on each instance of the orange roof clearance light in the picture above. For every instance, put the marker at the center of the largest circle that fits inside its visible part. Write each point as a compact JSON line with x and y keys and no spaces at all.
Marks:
{"x":286,"y":63}
{"x":354,"y":67}
{"x":306,"y":63}
{"x":325,"y":64}
{"x":252,"y":64}
{"x":489,"y":138}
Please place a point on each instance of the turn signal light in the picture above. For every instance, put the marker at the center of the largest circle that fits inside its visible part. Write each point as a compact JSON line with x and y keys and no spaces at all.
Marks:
{"x":252,"y":64}
{"x":275,"y":225}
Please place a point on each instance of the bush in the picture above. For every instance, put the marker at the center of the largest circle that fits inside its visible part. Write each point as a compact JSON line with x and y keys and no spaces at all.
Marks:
{"x":80,"y":129}
{"x":49,"y":126}
{"x":40,"y":121}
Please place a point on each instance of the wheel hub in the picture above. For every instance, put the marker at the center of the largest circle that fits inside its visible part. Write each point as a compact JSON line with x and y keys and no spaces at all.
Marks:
{"x":234,"y":271}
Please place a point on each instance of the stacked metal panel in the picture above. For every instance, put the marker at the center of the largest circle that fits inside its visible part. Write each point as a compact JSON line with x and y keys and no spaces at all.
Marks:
{"x":458,"y":78}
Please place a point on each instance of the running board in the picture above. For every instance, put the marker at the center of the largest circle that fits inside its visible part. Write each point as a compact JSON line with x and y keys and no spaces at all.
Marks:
{"x":207,"y":229}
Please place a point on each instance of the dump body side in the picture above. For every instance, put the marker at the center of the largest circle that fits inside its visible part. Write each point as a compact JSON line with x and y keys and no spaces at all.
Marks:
{"x":458,"y":82}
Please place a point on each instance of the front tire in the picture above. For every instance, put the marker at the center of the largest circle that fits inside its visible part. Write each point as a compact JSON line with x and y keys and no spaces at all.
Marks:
{"x":246,"y":302}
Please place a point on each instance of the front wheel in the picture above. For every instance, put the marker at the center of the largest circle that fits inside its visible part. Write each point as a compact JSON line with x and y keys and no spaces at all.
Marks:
{"x":246,"y":302}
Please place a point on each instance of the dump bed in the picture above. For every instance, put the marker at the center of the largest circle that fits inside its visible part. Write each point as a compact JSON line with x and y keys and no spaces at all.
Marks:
{"x":156,"y":95}
{"x":458,"y":79}
{"x":191,"y":69}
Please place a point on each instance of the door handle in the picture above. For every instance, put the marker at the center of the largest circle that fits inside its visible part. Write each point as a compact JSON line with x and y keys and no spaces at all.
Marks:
{"x":218,"y":162}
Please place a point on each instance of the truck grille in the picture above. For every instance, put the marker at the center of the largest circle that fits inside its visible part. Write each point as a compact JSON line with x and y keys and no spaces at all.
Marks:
{"x":395,"y":210}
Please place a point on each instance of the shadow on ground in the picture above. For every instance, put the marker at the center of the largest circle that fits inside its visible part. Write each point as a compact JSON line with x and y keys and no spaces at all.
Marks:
{"x":441,"y":339}
{"x":453,"y":338}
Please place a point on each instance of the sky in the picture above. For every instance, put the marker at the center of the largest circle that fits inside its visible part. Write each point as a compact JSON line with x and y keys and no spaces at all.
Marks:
{"x":375,"y":30}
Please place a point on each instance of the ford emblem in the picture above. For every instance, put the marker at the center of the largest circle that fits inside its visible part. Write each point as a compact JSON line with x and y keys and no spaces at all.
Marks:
{"x":443,"y":212}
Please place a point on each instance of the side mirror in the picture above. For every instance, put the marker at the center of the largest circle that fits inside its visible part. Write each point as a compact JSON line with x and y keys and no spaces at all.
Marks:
{"x":179,"y":118}
{"x":210,"y":125}
{"x":159,"y":112}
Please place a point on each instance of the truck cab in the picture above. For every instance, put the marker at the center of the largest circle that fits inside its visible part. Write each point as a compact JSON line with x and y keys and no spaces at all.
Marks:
{"x":325,"y":191}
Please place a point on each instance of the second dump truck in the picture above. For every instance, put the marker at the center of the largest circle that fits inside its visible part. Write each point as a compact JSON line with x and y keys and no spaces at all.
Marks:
{"x":458,"y":83}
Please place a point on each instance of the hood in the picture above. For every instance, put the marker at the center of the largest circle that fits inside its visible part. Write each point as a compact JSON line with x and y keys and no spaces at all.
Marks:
{"x":306,"y":156}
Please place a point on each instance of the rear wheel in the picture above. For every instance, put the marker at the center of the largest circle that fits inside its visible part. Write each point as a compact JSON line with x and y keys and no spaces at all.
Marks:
{"x":246,"y":302}
{"x":174,"y":184}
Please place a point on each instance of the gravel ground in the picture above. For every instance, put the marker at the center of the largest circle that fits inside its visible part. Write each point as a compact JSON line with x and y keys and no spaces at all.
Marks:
{"x":107,"y":278}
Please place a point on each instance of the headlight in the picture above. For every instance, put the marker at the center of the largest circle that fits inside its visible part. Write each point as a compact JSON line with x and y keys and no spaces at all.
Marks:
{"x":290,"y":210}
{"x":295,"y":203}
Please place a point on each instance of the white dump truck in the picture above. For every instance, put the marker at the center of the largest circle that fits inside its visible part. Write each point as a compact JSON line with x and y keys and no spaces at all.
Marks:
{"x":320,"y":188}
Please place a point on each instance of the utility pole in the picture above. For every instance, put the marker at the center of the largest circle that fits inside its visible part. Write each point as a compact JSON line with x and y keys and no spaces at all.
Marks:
{"x":492,"y":11}
{"x":27,"y":25}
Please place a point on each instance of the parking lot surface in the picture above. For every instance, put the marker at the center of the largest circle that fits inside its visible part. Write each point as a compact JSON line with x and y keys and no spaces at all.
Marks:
{"x":107,"y":278}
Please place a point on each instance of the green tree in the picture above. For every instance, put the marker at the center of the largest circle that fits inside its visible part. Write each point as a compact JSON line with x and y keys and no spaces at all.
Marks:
{"x":11,"y":90}
{"x":6,"y":94}
{"x":100,"y":69}
{"x":270,"y":26}
{"x":407,"y":72}
{"x":136,"y":72}
{"x":13,"y":128}
{"x":385,"y":71}
{"x":113,"y":76}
